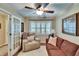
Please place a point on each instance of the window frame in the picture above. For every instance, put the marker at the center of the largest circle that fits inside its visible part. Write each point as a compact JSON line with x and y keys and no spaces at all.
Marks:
{"x":41,"y":26}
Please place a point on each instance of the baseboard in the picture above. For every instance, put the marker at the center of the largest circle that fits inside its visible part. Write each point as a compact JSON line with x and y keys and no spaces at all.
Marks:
{"x":3,"y":45}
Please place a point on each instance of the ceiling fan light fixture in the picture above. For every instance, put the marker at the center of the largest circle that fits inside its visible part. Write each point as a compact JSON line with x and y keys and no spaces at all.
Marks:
{"x":39,"y":12}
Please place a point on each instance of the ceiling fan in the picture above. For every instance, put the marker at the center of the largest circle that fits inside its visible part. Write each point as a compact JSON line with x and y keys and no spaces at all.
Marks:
{"x":40,"y":7}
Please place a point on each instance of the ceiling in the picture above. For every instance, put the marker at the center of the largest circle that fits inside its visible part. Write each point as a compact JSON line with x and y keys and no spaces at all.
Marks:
{"x":58,"y":8}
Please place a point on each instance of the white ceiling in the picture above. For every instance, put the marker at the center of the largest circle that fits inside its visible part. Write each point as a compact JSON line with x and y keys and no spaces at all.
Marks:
{"x":58,"y":8}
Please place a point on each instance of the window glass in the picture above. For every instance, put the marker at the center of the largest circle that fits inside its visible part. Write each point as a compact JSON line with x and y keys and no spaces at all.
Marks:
{"x":43,"y":27}
{"x":38,"y":27}
{"x":70,"y":25}
{"x":48,"y":27}
{"x":32,"y":26}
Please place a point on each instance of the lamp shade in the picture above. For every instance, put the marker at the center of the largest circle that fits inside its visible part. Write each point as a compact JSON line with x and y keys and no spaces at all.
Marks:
{"x":53,"y":31}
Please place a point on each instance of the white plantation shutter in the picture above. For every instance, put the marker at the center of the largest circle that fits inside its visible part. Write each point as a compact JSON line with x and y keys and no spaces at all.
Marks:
{"x":40,"y":27}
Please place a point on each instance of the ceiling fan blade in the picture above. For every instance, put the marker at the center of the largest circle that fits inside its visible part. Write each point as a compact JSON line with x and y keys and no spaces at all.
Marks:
{"x":38,"y":6}
{"x":49,"y":11}
{"x":45,"y":5}
{"x":28,"y":7}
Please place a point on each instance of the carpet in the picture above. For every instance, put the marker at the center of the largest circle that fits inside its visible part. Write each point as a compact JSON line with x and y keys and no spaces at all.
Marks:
{"x":38,"y":52}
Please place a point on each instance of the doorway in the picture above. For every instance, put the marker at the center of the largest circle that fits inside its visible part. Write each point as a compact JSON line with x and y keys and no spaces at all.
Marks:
{"x":3,"y":34}
{"x":10,"y":34}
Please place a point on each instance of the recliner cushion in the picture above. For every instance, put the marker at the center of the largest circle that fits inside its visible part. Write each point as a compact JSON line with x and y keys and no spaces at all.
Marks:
{"x":69,"y":48}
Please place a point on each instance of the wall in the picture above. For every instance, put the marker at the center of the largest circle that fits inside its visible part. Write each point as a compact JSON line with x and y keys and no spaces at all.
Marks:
{"x":9,"y":9}
{"x":3,"y":31}
{"x":74,"y":39}
{"x":26,"y":22}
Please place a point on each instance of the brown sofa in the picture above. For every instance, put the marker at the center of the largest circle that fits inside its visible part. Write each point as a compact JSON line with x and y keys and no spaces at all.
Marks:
{"x":62,"y":48}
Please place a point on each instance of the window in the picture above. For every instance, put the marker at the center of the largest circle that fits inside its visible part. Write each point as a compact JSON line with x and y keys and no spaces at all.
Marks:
{"x":70,"y":25}
{"x":32,"y":28}
{"x":40,"y":27}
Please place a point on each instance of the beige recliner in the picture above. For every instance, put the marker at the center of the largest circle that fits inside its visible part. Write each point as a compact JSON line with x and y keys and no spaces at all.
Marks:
{"x":29,"y":44}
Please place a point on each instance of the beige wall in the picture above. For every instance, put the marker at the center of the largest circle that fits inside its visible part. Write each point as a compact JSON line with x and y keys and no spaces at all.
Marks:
{"x":3,"y":34}
{"x":71,"y":38}
{"x":54,"y":23}
{"x":26,"y":24}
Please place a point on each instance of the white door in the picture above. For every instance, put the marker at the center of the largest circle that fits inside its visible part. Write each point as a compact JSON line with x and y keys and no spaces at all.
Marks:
{"x":14,"y":34}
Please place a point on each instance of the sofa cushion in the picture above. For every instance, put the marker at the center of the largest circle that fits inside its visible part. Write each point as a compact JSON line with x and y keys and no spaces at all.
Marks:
{"x":69,"y":48}
{"x":77,"y":53}
{"x":52,"y":40}
{"x":55,"y":53}
{"x":51,"y":47}
{"x":59,"y":42}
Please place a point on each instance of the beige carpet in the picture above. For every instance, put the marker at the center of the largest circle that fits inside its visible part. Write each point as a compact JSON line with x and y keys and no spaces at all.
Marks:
{"x":38,"y":52}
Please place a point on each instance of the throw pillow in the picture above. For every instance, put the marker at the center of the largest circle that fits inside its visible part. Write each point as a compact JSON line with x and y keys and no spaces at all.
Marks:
{"x":30,"y":38}
{"x":52,"y":40}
